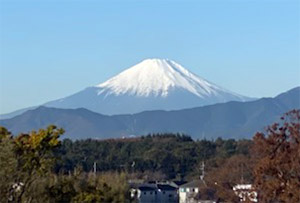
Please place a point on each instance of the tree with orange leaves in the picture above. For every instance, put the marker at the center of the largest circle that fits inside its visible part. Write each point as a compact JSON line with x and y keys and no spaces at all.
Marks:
{"x":277,"y":172}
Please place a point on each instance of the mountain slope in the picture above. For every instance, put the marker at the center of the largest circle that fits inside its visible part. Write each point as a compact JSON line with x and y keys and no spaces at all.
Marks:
{"x":80,"y":123}
{"x":153,"y":84}
{"x":227,"y":120}
{"x":16,"y":113}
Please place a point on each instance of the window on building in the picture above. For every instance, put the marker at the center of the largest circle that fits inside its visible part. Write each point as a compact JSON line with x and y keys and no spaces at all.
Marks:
{"x":193,"y":189}
{"x":145,"y":193}
{"x":150,"y":193}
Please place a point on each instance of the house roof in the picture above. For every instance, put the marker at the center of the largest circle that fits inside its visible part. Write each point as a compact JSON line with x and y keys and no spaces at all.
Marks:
{"x":243,"y":187}
{"x":153,"y":187}
{"x":179,"y":182}
{"x":165,"y":187}
{"x":193,"y":184}
{"x":147,"y":187}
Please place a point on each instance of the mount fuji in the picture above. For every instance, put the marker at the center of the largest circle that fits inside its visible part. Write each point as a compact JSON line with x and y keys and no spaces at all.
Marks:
{"x":153,"y":84}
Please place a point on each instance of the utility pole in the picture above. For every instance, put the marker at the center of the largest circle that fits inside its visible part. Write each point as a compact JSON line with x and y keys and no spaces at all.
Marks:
{"x":132,"y":166}
{"x":242,"y":175}
{"x":202,"y":168}
{"x":95,"y":168}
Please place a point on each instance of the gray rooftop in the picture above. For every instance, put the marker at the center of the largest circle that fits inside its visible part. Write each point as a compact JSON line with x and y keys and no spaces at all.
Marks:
{"x":193,"y":184}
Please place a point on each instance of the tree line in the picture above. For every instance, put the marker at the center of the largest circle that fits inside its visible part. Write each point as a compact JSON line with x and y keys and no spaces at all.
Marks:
{"x":175,"y":156}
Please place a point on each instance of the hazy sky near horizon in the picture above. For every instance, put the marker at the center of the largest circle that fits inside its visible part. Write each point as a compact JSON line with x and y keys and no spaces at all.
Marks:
{"x":53,"y":48}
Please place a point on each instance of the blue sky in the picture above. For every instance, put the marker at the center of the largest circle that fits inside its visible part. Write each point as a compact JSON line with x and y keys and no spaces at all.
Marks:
{"x":51,"y":49}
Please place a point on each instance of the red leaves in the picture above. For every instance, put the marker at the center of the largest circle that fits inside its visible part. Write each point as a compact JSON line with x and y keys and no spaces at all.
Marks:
{"x":277,"y":172}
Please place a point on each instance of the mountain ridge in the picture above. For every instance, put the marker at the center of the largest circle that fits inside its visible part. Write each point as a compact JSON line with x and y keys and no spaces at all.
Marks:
{"x":227,"y":120}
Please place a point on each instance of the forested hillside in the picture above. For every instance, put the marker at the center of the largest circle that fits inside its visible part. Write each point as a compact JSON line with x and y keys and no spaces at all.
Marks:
{"x":173,"y":155}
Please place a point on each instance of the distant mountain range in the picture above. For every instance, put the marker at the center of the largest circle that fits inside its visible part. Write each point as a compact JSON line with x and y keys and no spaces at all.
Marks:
{"x":227,"y":120}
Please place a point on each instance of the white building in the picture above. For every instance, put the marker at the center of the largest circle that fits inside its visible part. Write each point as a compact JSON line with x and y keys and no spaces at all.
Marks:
{"x":189,"y":192}
{"x":154,"y":193}
{"x":245,"y":192}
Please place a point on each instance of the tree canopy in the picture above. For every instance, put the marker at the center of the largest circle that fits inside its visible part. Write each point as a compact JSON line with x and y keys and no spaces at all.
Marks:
{"x":277,"y":172}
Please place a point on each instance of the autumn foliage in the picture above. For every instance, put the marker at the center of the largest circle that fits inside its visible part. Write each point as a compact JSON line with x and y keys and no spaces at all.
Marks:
{"x":277,"y":172}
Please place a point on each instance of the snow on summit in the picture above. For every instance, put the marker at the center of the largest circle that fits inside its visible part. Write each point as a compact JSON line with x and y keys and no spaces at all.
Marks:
{"x":157,"y":77}
{"x":153,"y":84}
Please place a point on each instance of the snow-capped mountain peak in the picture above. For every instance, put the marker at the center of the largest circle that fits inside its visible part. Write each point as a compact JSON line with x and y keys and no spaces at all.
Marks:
{"x":153,"y":84}
{"x":157,"y":77}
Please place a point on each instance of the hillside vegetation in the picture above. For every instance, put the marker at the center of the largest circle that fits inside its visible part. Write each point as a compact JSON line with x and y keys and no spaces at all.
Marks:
{"x":174,"y":156}
{"x":39,"y":167}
